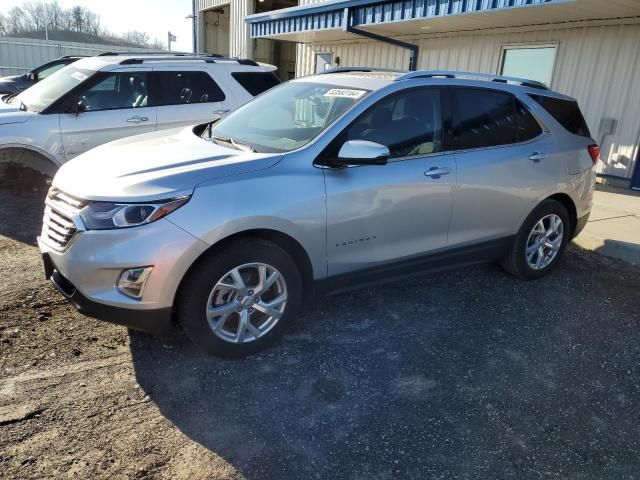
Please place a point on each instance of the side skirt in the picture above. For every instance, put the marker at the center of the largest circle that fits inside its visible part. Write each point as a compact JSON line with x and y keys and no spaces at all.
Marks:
{"x":447,"y":259}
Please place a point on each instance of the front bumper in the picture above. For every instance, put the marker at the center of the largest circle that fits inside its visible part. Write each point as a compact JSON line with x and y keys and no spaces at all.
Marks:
{"x":87,"y":271}
{"x":156,"y":321}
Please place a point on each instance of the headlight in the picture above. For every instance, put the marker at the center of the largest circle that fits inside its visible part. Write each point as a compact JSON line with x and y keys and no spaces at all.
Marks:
{"x":107,"y":215}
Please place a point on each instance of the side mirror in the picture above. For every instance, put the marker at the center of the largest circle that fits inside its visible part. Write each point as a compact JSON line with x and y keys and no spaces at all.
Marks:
{"x":74,"y":106}
{"x":362,"y":152}
{"x":32,"y":76}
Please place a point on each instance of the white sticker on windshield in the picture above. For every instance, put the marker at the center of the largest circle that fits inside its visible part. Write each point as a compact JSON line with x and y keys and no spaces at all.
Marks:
{"x":345,"y":93}
{"x":79,"y":76}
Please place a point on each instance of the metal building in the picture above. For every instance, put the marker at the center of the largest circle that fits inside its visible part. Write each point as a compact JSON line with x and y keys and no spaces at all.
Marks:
{"x":589,"y":49}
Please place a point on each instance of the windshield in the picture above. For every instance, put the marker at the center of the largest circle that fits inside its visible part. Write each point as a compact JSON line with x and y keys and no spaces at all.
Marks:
{"x":287,"y":117}
{"x":44,"y":93}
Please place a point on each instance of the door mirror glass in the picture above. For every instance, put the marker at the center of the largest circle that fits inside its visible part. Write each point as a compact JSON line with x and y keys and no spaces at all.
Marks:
{"x":362,"y":152}
{"x":31,"y":76}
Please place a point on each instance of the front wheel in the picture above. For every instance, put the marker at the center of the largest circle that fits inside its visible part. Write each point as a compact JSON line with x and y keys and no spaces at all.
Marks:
{"x":238,"y":300}
{"x":540,"y":242}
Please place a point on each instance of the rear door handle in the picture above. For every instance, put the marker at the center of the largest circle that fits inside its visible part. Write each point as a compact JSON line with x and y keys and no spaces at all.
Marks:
{"x":137,"y":119}
{"x":537,"y":156}
{"x":437,"y":172}
{"x":221,"y":112}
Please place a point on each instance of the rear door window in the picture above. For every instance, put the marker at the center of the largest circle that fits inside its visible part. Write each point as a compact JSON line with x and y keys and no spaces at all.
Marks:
{"x":528,"y":127}
{"x":256,"y":82}
{"x":566,"y":112}
{"x":483,"y":118}
{"x":187,"y":87}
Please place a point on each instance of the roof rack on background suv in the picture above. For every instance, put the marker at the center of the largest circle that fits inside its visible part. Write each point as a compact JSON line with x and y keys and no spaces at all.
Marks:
{"x":207,"y":58}
{"x":355,"y":69}
{"x":157,"y":52}
{"x":473,"y":75}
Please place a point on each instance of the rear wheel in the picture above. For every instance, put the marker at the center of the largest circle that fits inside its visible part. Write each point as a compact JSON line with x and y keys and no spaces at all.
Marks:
{"x":540,"y":242}
{"x":239,"y":299}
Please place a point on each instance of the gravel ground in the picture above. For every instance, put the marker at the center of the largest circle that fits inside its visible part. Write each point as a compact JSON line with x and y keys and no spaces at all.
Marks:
{"x":464,"y":374}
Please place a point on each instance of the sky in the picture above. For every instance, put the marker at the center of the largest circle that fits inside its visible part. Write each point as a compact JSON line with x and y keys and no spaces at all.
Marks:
{"x":155,"y":17}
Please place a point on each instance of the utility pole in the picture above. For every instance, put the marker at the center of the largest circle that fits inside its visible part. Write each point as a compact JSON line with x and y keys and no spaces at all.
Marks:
{"x":170,"y":38}
{"x":194,"y":25}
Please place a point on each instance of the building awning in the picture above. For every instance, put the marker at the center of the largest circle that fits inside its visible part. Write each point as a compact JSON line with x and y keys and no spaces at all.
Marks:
{"x":330,"y":21}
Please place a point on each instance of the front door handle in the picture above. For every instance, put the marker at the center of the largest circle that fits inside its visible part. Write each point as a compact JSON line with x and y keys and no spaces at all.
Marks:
{"x":437,"y":172}
{"x":537,"y":156}
{"x":137,"y":119}
{"x":221,"y":112}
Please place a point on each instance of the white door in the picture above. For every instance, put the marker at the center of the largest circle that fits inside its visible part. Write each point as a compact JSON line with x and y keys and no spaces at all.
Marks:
{"x":189,"y":96}
{"x":113,"y":105}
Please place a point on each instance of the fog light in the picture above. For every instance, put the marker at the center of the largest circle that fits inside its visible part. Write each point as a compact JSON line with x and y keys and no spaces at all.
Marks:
{"x":132,"y":281}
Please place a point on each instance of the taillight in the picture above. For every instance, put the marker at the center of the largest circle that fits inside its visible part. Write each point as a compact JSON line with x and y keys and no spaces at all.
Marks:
{"x":594,"y":151}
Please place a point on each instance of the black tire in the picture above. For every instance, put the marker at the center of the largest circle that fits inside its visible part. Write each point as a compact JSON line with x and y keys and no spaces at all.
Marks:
{"x":201,"y":280}
{"x":515,"y":261}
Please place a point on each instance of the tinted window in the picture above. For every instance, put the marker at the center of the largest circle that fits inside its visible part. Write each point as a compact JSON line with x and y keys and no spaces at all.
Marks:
{"x":256,"y":82}
{"x":111,"y":91}
{"x":409,"y":123}
{"x":46,"y":71}
{"x":528,"y":127}
{"x":485,"y":118}
{"x":180,"y":88}
{"x":566,"y":112}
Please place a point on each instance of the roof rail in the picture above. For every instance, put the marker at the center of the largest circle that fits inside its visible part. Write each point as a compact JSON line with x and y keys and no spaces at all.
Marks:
{"x":483,"y":76}
{"x":355,"y":69}
{"x":207,"y":58}
{"x":156,"y":52}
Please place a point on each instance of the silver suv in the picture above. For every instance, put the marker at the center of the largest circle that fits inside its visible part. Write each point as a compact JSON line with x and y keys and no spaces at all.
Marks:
{"x":322,"y":184}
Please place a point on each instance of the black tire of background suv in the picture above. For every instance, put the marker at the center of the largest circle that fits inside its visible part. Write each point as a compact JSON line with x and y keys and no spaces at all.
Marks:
{"x":194,"y":293}
{"x":515,"y":261}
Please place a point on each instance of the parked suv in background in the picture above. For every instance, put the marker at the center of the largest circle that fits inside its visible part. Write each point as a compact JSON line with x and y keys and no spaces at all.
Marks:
{"x":104,"y":98}
{"x":322,"y":184}
{"x":17,"y":83}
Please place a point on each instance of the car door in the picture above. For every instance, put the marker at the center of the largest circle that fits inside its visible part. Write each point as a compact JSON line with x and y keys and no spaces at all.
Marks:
{"x":114,"y":105}
{"x":380,"y":215}
{"x":505,"y":164}
{"x":189,"y":96}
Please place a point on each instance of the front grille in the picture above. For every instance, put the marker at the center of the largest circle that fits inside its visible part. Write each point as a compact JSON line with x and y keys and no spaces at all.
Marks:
{"x":58,"y":226}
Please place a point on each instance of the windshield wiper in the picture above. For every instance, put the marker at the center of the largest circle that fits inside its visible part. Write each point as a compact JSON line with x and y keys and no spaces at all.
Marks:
{"x":7,"y":98}
{"x":235,"y":144}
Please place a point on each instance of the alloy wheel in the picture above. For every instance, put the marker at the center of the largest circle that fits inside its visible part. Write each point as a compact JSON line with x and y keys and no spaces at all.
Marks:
{"x":545,"y":241}
{"x":246,"y":303}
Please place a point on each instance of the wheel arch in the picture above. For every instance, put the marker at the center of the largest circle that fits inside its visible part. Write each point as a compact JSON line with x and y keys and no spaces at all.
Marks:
{"x":285,"y":241}
{"x":570,"y":205}
{"x":29,"y":156}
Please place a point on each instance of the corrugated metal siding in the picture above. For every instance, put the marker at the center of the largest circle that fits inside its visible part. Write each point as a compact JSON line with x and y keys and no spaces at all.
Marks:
{"x":375,"y":12}
{"x":18,"y":55}
{"x":600,"y":66}
{"x":393,"y":11}
{"x":239,"y":45}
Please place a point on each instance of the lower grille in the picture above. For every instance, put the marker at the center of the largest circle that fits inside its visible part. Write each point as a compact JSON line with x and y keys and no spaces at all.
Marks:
{"x":58,"y":226}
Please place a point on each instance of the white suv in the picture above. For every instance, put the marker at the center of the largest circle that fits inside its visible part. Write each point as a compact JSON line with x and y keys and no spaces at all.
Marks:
{"x":104,"y":98}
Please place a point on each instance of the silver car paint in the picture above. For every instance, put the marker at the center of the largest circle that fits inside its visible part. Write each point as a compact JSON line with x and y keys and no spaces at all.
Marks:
{"x":345,"y":219}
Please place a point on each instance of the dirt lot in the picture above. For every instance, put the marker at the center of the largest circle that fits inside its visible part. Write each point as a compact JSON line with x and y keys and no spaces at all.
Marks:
{"x":465,"y":374}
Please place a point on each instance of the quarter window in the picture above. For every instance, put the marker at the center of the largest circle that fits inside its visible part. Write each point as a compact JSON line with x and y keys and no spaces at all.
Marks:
{"x":112,"y":91}
{"x":566,"y":112}
{"x":182,"y":88}
{"x":408,"y":123}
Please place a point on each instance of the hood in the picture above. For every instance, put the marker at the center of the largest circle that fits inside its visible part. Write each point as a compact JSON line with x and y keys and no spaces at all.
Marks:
{"x":10,"y":113}
{"x":10,"y":79}
{"x":154,"y":166}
